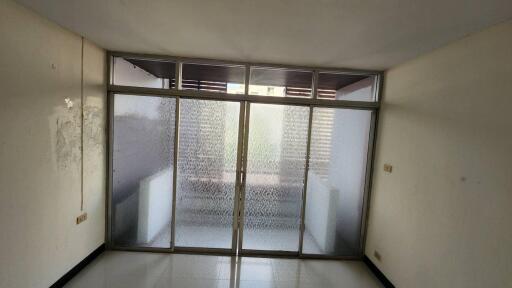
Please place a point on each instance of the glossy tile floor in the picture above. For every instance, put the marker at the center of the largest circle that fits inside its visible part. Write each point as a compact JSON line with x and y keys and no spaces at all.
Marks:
{"x":143,"y":269}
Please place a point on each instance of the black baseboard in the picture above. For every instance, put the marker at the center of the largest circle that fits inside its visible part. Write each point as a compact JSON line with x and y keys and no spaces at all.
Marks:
{"x":382,"y":278}
{"x":78,"y":267}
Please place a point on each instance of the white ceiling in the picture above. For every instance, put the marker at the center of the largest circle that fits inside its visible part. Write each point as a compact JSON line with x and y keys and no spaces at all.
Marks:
{"x":365,"y":34}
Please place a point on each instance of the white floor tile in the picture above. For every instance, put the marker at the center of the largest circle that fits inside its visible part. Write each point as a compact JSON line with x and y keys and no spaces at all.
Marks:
{"x":159,"y":270}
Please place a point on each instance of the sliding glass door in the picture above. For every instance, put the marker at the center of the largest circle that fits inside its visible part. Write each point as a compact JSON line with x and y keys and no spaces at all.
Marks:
{"x":206,"y":176}
{"x":250,"y":178}
{"x":274,"y":180}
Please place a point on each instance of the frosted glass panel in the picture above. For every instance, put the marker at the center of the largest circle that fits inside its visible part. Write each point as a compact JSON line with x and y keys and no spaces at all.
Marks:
{"x":275,"y":174}
{"x":336,"y":181}
{"x":206,"y":173}
{"x":143,"y":152}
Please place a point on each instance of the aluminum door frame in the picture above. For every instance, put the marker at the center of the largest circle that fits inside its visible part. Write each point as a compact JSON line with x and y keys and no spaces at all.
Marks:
{"x":245,"y":98}
{"x":235,"y":218}
{"x":239,"y":203}
{"x":243,"y":172}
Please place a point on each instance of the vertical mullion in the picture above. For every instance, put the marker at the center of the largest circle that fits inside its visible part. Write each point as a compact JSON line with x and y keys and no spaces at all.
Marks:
{"x":110,"y":68}
{"x":247,"y":79}
{"x":238,"y":181}
{"x":110,"y":169}
{"x":378,"y":84}
{"x":243,"y":178}
{"x":175,"y":171}
{"x":315,"y":84}
{"x":304,"y":190}
{"x":368,"y":178}
{"x":110,"y":157}
{"x":178,"y":76}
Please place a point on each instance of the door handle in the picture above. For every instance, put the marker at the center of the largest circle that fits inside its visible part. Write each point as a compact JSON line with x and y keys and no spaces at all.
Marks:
{"x":243,"y":176}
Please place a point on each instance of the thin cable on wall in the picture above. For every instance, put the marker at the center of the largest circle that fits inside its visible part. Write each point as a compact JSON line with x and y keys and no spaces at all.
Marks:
{"x":82,"y":129}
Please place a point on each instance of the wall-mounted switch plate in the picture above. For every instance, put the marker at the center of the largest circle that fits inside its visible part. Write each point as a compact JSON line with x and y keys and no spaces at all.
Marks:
{"x":81,"y":218}
{"x":388,"y":168}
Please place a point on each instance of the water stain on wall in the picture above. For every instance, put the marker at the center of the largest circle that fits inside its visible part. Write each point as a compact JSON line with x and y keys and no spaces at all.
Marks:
{"x":65,"y":126}
{"x":66,"y":133}
{"x":93,"y":128}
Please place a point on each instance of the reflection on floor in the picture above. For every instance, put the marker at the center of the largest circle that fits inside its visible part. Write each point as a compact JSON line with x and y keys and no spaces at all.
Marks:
{"x":219,"y":237}
{"x":142,"y":269}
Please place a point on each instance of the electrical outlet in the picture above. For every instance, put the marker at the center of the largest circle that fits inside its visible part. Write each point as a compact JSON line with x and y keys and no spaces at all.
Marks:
{"x":376,"y":254}
{"x":81,"y":218}
{"x":388,"y":168}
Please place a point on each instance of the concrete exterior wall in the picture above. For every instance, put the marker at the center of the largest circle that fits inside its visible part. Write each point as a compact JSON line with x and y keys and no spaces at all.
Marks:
{"x":40,"y":148}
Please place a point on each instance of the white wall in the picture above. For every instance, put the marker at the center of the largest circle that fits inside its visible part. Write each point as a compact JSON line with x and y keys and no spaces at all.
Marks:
{"x":40,"y":159}
{"x":443,"y":217}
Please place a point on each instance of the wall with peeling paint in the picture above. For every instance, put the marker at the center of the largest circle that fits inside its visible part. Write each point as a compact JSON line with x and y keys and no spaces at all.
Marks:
{"x":40,"y":148}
